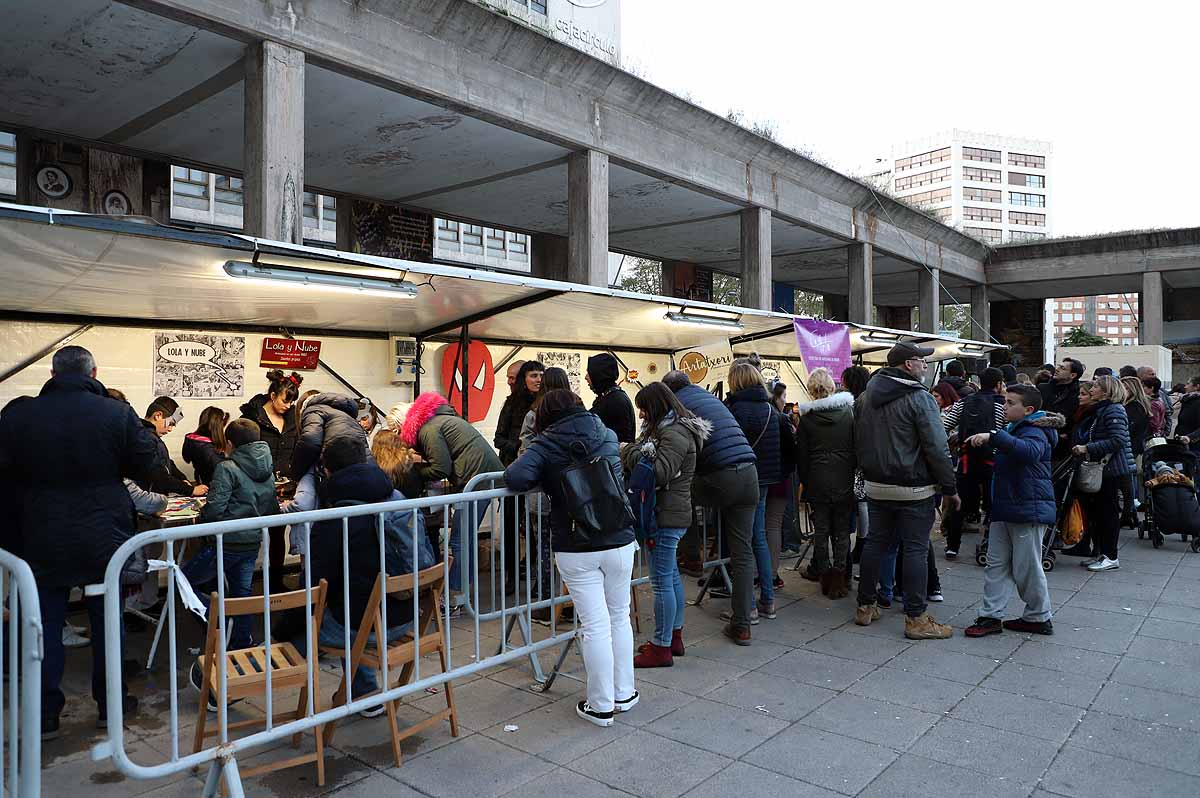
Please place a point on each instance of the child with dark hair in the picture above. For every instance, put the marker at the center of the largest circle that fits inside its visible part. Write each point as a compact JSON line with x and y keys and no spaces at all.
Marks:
{"x":165,"y":477}
{"x":206,"y":447}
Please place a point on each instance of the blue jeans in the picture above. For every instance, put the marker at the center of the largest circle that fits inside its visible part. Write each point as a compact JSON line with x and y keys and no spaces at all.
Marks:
{"x":53,"y":602}
{"x":669,"y":600}
{"x":333,"y":633}
{"x":887,"y":572}
{"x":898,"y":524}
{"x":762,"y":552}
{"x":201,"y":570}
{"x":463,"y":531}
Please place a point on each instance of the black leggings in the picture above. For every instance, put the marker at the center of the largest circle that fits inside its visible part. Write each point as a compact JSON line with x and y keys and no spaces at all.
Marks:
{"x":1102,"y":515}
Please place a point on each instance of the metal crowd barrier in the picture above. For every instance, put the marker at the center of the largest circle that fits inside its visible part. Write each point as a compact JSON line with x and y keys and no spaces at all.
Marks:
{"x":483,"y":601}
{"x":21,"y":714}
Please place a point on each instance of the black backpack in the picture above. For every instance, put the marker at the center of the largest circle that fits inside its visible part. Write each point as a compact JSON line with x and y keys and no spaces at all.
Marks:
{"x":595,"y":500}
{"x":978,"y":415}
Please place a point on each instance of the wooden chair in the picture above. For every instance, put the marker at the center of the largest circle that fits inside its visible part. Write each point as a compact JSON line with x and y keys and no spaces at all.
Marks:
{"x":402,"y":655}
{"x":246,"y":673}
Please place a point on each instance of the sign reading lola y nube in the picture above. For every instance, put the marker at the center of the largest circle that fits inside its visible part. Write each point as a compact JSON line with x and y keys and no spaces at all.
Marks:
{"x":290,"y":353}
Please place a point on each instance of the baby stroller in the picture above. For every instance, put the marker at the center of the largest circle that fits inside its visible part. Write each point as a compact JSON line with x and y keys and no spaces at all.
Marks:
{"x":1063,"y":477}
{"x":1172,"y":506}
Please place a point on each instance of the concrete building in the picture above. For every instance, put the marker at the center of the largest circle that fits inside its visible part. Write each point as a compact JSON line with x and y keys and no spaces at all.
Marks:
{"x":1113,"y":316}
{"x":994,"y":188}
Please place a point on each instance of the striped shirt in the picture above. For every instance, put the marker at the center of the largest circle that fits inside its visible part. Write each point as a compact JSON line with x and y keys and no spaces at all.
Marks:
{"x":951,"y":415}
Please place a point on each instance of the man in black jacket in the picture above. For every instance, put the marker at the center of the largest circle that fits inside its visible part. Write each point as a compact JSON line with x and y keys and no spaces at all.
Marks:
{"x":726,"y":480}
{"x":1061,"y":395}
{"x":70,"y":448}
{"x":978,"y":413}
{"x":165,"y":477}
{"x":901,"y":447}
{"x":612,"y":404}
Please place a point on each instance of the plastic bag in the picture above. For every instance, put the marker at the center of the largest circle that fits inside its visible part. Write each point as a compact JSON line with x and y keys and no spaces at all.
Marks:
{"x":1072,"y":527}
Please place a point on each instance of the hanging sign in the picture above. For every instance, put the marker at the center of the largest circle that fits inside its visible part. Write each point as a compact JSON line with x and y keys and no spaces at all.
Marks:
{"x":480,"y":384}
{"x":290,"y":353}
{"x":706,"y":364}
{"x":823,"y":344}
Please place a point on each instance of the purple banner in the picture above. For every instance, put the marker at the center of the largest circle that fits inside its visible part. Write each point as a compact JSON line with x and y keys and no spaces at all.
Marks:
{"x":824,"y":344}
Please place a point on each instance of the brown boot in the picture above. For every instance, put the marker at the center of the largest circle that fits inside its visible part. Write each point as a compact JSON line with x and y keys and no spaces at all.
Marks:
{"x":838,"y":589}
{"x":738,"y":634}
{"x":867,"y":613}
{"x":926,"y":628}
{"x":677,"y":643}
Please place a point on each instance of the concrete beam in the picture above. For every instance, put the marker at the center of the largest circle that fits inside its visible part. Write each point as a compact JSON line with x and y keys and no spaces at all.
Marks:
{"x":274,"y":143}
{"x":587,"y":218}
{"x":1151,"y":306}
{"x":931,"y":300}
{"x":756,"y":258}
{"x":862,"y":283}
{"x":981,"y":313}
{"x":466,"y":58}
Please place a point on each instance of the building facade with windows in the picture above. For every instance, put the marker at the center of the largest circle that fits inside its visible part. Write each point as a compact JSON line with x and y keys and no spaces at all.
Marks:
{"x":1111,"y":316}
{"x":994,"y":188}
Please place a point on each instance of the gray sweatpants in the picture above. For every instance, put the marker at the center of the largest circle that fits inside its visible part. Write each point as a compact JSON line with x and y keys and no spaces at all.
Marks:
{"x":1014,"y":559}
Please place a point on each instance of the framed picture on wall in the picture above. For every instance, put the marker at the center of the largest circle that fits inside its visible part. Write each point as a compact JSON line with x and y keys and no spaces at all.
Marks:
{"x":53,"y":181}
{"x":115,"y":203}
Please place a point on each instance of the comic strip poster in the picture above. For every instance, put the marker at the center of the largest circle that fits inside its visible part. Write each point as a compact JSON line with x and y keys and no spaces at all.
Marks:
{"x":198,"y":366}
{"x":570,"y":362}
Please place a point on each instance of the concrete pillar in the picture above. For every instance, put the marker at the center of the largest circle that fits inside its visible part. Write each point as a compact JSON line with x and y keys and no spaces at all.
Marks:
{"x":837,"y":307}
{"x":1151,"y":305}
{"x":549,"y":257}
{"x":981,"y":313}
{"x":931,"y":299}
{"x":861,"y":262}
{"x":346,"y":230}
{"x":756,"y":258}
{"x":587,"y":218}
{"x":273,"y":127}
{"x":666,"y":280}
{"x":896,"y":317}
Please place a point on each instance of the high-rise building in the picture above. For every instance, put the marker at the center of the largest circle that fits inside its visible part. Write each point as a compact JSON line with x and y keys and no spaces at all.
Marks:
{"x":1111,"y":316}
{"x":994,"y":188}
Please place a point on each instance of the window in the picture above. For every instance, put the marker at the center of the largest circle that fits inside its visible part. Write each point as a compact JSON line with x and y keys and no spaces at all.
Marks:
{"x":924,"y":159}
{"x":472,"y":239}
{"x":447,"y":230}
{"x":1025,"y":235}
{"x":986,"y":233}
{"x":981,"y":214}
{"x":480,"y":246}
{"x":981,"y":175}
{"x":537,"y":6}
{"x":923,"y":179}
{"x":518,"y":246}
{"x":1029,"y":181}
{"x":495,"y":241}
{"x":982,"y":194}
{"x":1029,"y":219}
{"x":189,"y":189}
{"x":1034,"y":161}
{"x":1079,"y":306}
{"x":944,"y":214}
{"x":1031,"y":200}
{"x":928,"y":197}
{"x":976,"y":154}
{"x":8,"y":164}
{"x":1127,"y":330}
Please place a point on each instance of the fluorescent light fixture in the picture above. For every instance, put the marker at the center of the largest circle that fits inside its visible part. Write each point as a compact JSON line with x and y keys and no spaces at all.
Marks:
{"x":970,"y":347}
{"x":359,"y":284}
{"x":705,"y":317}
{"x":877,"y":337}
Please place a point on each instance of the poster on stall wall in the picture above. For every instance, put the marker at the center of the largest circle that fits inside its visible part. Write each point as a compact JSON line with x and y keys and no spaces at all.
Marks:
{"x":479,"y":382}
{"x":197,"y":366}
{"x":823,"y":344}
{"x":706,"y":365}
{"x":290,"y":353}
{"x":570,"y":362}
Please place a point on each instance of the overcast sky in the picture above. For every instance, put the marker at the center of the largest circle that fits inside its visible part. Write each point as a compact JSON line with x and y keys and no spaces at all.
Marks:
{"x":1113,"y":86}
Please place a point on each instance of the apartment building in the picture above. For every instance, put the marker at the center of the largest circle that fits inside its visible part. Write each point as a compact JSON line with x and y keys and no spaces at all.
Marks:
{"x":1111,"y":316}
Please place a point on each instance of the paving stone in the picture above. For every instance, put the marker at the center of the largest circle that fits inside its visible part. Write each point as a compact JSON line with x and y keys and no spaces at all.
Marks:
{"x":484,"y":703}
{"x":910,"y":689}
{"x":1149,"y":705}
{"x":953,"y":665}
{"x":494,"y":769}
{"x":782,"y":698}
{"x":562,"y":782}
{"x":751,"y":657}
{"x":718,"y":727}
{"x":1088,"y":638}
{"x":918,"y":776}
{"x":1093,"y":664}
{"x":1157,"y":675}
{"x":1118,"y":604}
{"x":1175,"y":612}
{"x":1171,"y":630}
{"x":1186,"y":655}
{"x":1149,"y":743}
{"x":742,"y":779}
{"x":368,"y":739}
{"x":1098,"y":620}
{"x":788,"y":632}
{"x":81,"y":776}
{"x":1080,"y":773}
{"x":872,"y":721}
{"x":1051,"y":685}
{"x":986,"y":749}
{"x":829,"y":760}
{"x":552,"y":732}
{"x":1123,"y":589}
{"x":654,"y":701}
{"x":694,"y":675}
{"x":1021,"y":714}
{"x":649,"y":765}
{"x":301,"y":781}
{"x":858,"y":647}
{"x":373,"y":786}
{"x":820,"y":670}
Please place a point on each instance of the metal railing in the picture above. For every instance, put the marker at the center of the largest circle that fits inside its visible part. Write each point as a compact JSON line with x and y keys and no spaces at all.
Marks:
{"x":21,"y":652}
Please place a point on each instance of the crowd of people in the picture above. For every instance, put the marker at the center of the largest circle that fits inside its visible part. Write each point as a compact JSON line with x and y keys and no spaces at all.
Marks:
{"x":880,"y":455}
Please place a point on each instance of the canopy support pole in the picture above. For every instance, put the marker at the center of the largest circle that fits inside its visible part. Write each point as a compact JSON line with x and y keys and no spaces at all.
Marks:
{"x":46,"y":350}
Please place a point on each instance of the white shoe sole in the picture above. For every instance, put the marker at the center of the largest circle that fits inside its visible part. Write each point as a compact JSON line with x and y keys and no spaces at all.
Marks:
{"x":625,"y":706}
{"x":1110,"y":567}
{"x":601,"y":722}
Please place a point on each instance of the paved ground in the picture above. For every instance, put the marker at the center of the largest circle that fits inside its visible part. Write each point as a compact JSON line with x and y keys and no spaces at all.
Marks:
{"x":1108,"y":706}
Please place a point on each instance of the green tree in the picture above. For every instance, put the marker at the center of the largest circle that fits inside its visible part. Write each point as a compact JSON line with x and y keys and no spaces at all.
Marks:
{"x":727,"y":289}
{"x":1079,"y":336}
{"x":809,"y":304}
{"x":641,"y":276}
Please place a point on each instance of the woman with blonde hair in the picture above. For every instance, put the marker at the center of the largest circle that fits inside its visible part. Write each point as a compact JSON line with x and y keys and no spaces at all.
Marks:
{"x":397,"y":461}
{"x":1137,"y":408}
{"x":1103,"y":436}
{"x":826,"y":461}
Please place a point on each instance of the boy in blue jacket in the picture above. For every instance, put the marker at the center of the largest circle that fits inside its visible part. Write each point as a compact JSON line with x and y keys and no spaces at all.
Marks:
{"x":1022,"y":507}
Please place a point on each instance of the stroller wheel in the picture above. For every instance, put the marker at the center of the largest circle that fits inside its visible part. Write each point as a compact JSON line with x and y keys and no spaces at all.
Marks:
{"x":981,"y":558}
{"x":1196,"y":544}
{"x":1047,"y":564}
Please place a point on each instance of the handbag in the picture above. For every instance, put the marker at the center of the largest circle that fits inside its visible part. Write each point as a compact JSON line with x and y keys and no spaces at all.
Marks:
{"x":595,"y":500}
{"x":1090,"y":475}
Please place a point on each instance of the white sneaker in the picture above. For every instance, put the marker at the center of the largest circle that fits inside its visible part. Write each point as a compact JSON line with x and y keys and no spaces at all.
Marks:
{"x":585,"y":711}
{"x":1087,"y":562}
{"x":1104,"y":564}
{"x":73,"y":639}
{"x":373,"y":712}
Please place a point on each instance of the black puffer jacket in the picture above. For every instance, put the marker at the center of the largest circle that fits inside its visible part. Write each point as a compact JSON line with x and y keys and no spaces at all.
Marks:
{"x":543,"y":463}
{"x":202,"y":455}
{"x":825,"y":448}
{"x":612,"y":404}
{"x":1105,"y":432}
{"x":1139,"y":426}
{"x":512,"y":415}
{"x":726,"y":445}
{"x":898,"y":434}
{"x":1189,"y":420}
{"x":70,"y":449}
{"x":1062,"y":398}
{"x":164,"y":476}
{"x":282,"y":444}
{"x":759,"y":421}
{"x":326,"y":416}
